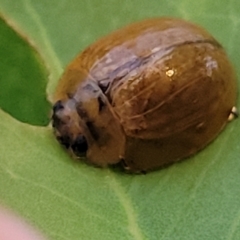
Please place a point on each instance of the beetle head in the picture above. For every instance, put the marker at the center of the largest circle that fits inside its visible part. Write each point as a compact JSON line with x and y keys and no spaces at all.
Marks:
{"x":85,"y":124}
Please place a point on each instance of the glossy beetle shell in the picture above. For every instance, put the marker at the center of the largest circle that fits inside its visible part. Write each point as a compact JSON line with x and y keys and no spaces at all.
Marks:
{"x":146,"y":95}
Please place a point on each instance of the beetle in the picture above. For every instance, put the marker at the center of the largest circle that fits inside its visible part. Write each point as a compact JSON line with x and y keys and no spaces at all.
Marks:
{"x":145,"y":96}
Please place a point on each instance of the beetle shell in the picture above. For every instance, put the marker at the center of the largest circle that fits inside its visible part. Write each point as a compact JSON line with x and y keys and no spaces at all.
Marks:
{"x":146,"y":95}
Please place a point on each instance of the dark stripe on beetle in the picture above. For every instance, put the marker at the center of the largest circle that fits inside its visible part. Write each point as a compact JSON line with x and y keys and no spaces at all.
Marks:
{"x":92,"y":130}
{"x":101,"y":104}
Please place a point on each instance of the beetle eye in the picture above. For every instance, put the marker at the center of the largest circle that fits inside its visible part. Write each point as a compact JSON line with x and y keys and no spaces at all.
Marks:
{"x":56,"y":121}
{"x":64,"y":140}
{"x":57,"y":106}
{"x":80,"y":145}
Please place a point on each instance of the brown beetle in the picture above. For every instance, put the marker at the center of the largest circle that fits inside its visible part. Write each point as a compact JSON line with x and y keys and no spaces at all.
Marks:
{"x":146,"y":95}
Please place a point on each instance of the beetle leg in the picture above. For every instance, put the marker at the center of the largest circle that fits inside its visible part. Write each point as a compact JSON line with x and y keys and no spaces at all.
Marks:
{"x":233,"y":114}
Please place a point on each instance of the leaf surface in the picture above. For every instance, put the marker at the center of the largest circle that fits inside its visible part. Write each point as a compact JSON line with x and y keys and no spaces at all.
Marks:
{"x":196,"y":199}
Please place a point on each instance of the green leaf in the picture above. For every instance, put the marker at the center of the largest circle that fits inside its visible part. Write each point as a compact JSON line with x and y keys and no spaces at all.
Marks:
{"x":198,"y":198}
{"x":22,"y":79}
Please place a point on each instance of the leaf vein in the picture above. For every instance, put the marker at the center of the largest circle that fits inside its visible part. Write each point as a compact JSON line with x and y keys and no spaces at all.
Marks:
{"x":55,"y":193}
{"x":56,"y":67}
{"x":234,"y":226}
{"x":127,"y":205}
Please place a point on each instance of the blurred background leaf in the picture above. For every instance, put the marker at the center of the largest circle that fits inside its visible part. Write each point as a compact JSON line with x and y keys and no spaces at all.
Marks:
{"x":23,"y":79}
{"x":196,"y":199}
